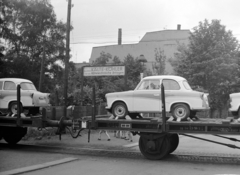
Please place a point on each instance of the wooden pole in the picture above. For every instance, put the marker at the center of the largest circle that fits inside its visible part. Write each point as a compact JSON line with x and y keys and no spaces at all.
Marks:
{"x":42,"y":69}
{"x":67,"y":57}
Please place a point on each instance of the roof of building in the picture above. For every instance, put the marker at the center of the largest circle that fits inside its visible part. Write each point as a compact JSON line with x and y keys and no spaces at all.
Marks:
{"x":165,"y":35}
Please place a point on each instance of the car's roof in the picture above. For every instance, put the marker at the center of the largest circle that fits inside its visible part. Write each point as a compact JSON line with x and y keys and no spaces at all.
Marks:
{"x":15,"y":80}
{"x":165,"y":77}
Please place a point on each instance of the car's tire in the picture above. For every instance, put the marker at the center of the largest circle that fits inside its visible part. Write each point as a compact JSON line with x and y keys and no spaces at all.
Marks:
{"x":13,"y":107}
{"x":119,"y":109}
{"x":180,"y":111}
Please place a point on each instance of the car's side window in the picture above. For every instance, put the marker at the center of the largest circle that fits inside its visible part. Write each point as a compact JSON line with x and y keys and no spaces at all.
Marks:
{"x":9,"y":85}
{"x":171,"y":85}
{"x":149,"y":85}
{"x":154,"y":84}
{"x":1,"y":85}
{"x":144,"y":85}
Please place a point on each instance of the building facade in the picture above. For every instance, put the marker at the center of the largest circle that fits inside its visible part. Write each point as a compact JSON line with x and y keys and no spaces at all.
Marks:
{"x":166,"y":41}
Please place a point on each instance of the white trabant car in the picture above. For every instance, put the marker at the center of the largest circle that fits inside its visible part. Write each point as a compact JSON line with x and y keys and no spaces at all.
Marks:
{"x":31,"y":99}
{"x":235,"y":104}
{"x":181,"y":100}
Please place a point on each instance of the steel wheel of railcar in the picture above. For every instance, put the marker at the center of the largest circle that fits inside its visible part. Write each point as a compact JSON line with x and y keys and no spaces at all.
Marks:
{"x":180,"y":111}
{"x":12,"y":135}
{"x":174,"y":141}
{"x":238,"y":113}
{"x":119,"y":109}
{"x":13,"y":108}
{"x":154,"y":147}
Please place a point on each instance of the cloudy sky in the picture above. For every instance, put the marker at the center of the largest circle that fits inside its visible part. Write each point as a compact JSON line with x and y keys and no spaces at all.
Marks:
{"x":96,"y":22}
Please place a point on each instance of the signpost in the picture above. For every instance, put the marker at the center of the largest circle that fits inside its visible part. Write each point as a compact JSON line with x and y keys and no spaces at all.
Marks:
{"x":89,"y":71}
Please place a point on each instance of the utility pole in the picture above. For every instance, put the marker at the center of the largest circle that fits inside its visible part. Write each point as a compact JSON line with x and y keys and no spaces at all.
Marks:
{"x":42,"y":68}
{"x":67,"y":57}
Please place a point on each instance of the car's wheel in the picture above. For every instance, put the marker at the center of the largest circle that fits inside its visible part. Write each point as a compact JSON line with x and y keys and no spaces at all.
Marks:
{"x":13,"y":107}
{"x":119,"y":109}
{"x":180,"y":111}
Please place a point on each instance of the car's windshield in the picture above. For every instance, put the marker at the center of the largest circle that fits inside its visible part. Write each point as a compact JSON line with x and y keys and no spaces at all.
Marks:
{"x":186,"y":85}
{"x":27,"y":86}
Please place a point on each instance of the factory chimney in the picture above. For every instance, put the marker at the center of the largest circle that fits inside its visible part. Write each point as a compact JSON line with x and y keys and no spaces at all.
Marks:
{"x":119,"y":36}
{"x":178,"y":27}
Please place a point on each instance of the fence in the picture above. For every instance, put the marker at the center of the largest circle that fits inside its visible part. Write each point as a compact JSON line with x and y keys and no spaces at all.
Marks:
{"x":56,"y":112}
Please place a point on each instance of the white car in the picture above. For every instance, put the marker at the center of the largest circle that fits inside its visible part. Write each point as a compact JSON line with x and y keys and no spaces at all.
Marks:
{"x":31,"y":99}
{"x":234,"y":104}
{"x":181,"y":100}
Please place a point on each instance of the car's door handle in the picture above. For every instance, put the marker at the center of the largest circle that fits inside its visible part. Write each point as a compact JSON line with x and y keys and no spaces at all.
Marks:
{"x":169,"y":94}
{"x":156,"y":95}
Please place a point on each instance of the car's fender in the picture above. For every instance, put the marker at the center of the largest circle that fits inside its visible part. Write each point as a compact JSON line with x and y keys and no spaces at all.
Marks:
{"x":170,"y":105}
{"x":234,"y":102}
{"x":125,"y":97}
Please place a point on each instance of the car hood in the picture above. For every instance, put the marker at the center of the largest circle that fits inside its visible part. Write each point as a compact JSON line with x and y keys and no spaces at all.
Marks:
{"x":119,"y":94}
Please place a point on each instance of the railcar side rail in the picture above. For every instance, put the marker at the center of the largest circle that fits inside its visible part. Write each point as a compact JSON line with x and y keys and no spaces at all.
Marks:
{"x":158,"y":136}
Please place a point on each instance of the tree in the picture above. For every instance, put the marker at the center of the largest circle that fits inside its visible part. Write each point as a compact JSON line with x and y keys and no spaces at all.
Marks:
{"x":29,"y":26}
{"x":210,"y":62}
{"x":103,"y":59}
{"x":160,"y":64}
{"x":106,"y":84}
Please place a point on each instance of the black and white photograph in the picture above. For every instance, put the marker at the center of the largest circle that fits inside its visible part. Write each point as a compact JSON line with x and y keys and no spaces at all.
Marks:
{"x":119,"y":87}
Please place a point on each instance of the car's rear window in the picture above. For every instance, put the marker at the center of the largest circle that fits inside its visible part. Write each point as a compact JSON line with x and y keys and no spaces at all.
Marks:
{"x":27,"y":86}
{"x":171,"y":84}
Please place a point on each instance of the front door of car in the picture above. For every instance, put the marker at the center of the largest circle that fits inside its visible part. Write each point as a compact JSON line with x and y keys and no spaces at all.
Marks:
{"x":146,"y":98}
{"x":8,"y":93}
{"x":172,"y":91}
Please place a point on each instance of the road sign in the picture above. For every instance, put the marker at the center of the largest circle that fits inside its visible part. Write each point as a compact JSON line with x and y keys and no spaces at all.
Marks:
{"x":104,"y":71}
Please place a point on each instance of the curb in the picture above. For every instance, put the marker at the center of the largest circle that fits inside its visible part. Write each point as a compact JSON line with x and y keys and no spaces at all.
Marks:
{"x":131,"y":145}
{"x":37,"y":167}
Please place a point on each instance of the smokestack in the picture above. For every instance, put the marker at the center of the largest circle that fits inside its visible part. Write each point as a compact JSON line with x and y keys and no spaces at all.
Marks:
{"x":119,"y":36}
{"x":178,"y":27}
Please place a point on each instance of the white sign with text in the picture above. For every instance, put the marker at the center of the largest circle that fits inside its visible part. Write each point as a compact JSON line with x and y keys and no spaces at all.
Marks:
{"x":104,"y":71}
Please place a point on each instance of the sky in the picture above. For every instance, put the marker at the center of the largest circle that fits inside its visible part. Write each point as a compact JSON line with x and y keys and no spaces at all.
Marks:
{"x":96,"y":22}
